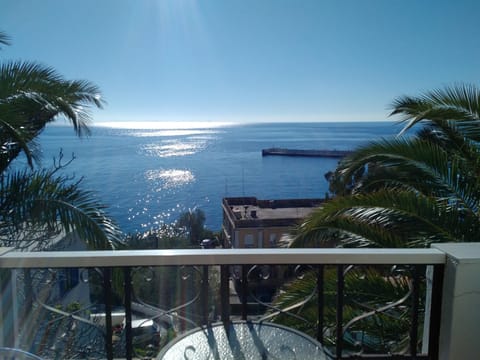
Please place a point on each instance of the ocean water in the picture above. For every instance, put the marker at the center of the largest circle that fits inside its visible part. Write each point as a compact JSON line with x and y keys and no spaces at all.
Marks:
{"x":149,"y":176}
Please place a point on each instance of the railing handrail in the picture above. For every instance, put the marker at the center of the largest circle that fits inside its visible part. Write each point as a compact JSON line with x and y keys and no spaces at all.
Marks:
{"x":124,"y":258}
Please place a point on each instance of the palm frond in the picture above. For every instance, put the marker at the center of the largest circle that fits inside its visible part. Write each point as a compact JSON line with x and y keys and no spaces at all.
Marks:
{"x":40,"y":200}
{"x":32,"y":95}
{"x":12,"y":139}
{"x":36,"y":206}
{"x":416,"y":165}
{"x":4,"y":38}
{"x":404,"y":192}
{"x":387,"y":219}
{"x":41,"y":93}
{"x":460,"y":102}
{"x":377,"y":302}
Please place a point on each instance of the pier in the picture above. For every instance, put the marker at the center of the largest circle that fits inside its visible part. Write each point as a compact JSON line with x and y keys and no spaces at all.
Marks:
{"x":310,"y":153}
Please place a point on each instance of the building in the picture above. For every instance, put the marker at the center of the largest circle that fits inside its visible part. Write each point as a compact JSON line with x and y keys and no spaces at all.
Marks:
{"x":252,"y":223}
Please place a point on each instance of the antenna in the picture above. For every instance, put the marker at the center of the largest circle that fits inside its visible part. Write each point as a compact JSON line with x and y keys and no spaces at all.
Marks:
{"x":243,"y":181}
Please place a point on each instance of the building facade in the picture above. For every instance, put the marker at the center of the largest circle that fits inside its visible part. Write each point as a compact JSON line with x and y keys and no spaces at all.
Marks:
{"x":252,"y":223}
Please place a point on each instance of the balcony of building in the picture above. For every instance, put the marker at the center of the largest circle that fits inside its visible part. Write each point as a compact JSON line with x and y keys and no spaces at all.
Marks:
{"x":242,"y":303}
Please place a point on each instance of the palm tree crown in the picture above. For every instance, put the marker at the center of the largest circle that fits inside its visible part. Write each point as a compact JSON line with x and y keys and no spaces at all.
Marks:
{"x":408,"y":191}
{"x":414,"y":190}
{"x":36,"y":205}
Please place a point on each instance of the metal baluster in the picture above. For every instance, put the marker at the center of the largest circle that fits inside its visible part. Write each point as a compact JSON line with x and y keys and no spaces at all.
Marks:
{"x":320,"y":304}
{"x":435,"y":312}
{"x":128,"y":312}
{"x":107,"y":288}
{"x":340,"y":289}
{"x":243,"y":295}
{"x":225,"y":294}
{"x":28,"y":288}
{"x":415,"y":299}
{"x":6,"y":304}
{"x":205,"y":294}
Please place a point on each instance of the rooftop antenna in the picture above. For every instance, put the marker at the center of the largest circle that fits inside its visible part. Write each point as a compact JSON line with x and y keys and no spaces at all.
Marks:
{"x":243,"y":181}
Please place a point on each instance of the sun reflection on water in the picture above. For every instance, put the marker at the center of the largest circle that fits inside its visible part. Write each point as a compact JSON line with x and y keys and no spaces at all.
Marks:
{"x":171,"y":133}
{"x":171,"y":178}
{"x":172,"y":148}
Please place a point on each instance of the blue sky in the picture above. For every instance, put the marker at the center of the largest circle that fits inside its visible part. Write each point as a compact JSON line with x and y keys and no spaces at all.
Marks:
{"x":261,"y":60}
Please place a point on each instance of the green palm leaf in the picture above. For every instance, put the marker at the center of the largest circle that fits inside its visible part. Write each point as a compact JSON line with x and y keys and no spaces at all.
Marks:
{"x":376,"y":303}
{"x":403,"y":192}
{"x":387,"y":218}
{"x":417,"y":165}
{"x":4,"y":38}
{"x":454,"y":112}
{"x":39,"y":200}
{"x":37,"y":206}
{"x":40,"y":94}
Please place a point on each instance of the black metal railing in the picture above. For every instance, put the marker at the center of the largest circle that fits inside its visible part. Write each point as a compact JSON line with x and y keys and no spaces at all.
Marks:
{"x":130,"y":304}
{"x":338,"y":348}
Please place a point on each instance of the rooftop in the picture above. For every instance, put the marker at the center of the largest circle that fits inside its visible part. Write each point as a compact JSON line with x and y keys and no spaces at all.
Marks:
{"x":249,"y":211}
{"x":256,"y":212}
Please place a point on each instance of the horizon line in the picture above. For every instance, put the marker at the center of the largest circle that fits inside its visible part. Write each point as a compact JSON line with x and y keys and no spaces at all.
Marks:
{"x":174,"y":125}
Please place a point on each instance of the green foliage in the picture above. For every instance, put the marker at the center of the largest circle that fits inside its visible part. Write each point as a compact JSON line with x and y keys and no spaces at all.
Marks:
{"x":409,"y":191}
{"x":38,"y":205}
{"x":376,"y":305}
{"x":73,"y":307}
{"x":45,"y":204}
{"x":4,"y":38}
{"x":168,"y":236}
{"x":193,"y":224}
{"x":186,"y":232}
{"x":32,"y":95}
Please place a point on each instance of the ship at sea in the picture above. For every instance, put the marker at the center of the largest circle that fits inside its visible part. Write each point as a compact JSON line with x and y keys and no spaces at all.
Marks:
{"x":299,"y":152}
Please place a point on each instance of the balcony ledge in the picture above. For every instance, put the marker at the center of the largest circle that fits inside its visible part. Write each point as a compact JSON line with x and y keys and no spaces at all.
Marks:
{"x":107,"y":258}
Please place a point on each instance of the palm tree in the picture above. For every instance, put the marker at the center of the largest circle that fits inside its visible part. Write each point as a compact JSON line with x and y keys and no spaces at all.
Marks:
{"x":413,"y":190}
{"x":36,"y":205}
{"x":408,"y":191}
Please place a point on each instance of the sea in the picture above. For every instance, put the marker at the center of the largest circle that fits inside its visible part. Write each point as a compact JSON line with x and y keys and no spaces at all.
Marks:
{"x":148,"y":174}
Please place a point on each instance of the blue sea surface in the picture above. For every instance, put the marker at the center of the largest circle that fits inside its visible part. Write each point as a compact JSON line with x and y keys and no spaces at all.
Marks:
{"x":147,"y":177}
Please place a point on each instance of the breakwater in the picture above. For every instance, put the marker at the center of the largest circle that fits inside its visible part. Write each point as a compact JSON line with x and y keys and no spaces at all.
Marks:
{"x":299,"y":152}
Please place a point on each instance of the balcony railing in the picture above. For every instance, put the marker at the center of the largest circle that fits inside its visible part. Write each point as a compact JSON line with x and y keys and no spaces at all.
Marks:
{"x":356,"y":303}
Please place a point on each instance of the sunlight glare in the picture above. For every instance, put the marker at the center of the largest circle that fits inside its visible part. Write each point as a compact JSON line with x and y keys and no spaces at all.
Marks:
{"x":171,"y":178}
{"x":175,"y":148}
{"x":163,"y":125}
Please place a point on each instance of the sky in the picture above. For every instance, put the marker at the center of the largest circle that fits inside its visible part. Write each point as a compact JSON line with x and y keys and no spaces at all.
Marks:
{"x":249,"y":60}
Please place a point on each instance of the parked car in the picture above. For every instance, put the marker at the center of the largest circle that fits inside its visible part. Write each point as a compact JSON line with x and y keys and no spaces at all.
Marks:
{"x":145,"y":332}
{"x":209,"y":243}
{"x":145,"y":338}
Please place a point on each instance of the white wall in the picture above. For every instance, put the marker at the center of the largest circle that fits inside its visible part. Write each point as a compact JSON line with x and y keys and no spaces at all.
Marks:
{"x":460,"y":321}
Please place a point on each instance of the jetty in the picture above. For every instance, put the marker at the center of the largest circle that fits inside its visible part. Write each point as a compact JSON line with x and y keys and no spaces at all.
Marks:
{"x":311,"y":153}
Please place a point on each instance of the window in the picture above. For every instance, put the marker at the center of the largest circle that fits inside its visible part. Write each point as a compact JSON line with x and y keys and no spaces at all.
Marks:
{"x":248,"y":241}
{"x":273,"y":240}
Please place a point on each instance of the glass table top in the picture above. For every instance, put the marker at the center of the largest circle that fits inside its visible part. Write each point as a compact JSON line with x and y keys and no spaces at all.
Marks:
{"x":243,"y":340}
